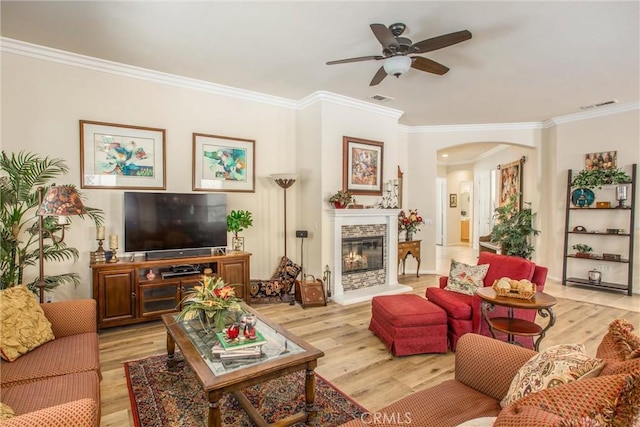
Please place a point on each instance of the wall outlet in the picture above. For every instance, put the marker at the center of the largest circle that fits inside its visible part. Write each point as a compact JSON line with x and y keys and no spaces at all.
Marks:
{"x":302,"y":233}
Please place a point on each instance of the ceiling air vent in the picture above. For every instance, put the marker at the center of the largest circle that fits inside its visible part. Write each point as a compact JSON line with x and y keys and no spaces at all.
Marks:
{"x":601,"y":104}
{"x":382,"y":98}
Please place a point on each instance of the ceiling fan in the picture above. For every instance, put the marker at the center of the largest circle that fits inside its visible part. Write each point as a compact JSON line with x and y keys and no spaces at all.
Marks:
{"x":396,"y":51}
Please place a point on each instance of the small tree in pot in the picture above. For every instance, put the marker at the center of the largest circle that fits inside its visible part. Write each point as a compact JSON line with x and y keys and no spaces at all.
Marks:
{"x":514,"y":228}
{"x":238,"y":221}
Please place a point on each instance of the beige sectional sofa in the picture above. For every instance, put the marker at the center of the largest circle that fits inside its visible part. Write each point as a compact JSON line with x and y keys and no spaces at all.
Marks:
{"x":57,"y":383}
{"x":484,"y":370}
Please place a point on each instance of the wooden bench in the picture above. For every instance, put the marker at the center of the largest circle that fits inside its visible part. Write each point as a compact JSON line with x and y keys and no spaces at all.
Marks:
{"x":486,"y":245}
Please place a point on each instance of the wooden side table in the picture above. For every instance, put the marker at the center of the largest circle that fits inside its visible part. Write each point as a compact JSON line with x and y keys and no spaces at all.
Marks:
{"x":406,"y":248}
{"x":513,"y":326}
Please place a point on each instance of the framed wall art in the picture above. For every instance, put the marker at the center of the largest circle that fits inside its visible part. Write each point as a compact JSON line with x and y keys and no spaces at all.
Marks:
{"x":604,"y":160}
{"x":362,"y":166}
{"x":510,"y":182}
{"x":222,"y":163}
{"x":121,"y":156}
{"x":453,"y":200}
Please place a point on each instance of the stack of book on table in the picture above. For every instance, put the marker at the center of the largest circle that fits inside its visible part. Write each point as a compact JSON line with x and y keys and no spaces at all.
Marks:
{"x":238,"y":348}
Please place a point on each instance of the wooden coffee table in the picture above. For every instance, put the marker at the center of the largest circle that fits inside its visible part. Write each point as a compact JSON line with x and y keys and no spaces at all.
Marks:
{"x":283,"y":353}
{"x":512,"y":326}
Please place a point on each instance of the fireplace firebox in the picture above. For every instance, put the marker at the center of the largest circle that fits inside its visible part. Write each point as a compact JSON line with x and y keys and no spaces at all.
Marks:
{"x":362,"y":254}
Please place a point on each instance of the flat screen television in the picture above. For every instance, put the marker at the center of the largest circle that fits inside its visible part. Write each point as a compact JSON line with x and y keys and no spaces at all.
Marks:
{"x":164,"y":225}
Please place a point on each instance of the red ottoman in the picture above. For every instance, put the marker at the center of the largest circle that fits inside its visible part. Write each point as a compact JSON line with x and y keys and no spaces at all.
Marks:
{"x":409,"y":324}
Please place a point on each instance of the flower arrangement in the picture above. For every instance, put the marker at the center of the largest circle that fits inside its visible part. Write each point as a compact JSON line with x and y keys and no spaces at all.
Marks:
{"x":211,"y":302}
{"x":342,"y":198}
{"x":410,"y":222}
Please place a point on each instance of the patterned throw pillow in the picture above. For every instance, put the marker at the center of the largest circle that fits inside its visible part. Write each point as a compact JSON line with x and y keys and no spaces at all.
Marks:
{"x":287,"y":270}
{"x":609,"y":400}
{"x":626,"y":344}
{"x":556,"y":365}
{"x":5,"y":412}
{"x":23,"y":325}
{"x":466,"y":279}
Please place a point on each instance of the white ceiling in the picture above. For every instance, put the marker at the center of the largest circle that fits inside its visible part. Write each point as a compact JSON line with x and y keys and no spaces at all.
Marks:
{"x":526,"y":62}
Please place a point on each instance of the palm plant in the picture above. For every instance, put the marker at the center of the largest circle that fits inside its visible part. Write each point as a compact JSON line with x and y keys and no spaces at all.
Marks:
{"x":20,"y":177}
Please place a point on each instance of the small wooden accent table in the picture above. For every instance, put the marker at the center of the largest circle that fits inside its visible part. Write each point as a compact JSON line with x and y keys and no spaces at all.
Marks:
{"x":514,"y":326}
{"x":406,"y":248}
{"x":283,"y":353}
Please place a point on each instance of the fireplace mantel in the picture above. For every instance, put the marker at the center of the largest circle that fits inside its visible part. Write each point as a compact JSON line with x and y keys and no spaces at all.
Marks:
{"x":347,"y":217}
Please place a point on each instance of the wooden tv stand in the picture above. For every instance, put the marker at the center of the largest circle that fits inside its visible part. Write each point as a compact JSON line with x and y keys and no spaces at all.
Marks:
{"x":125,"y":296}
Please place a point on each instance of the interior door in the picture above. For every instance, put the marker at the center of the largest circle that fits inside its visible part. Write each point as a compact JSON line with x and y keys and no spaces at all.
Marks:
{"x":484,"y":206}
{"x":441,"y":221}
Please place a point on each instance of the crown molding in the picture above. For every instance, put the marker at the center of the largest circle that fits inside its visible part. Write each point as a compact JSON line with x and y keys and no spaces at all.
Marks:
{"x":44,"y":53}
{"x":472,"y":128}
{"x":598,"y":112}
{"x":347,"y":102}
{"x":22,"y":48}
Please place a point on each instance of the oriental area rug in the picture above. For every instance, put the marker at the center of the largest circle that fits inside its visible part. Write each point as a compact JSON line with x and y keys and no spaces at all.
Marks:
{"x":163,"y":396}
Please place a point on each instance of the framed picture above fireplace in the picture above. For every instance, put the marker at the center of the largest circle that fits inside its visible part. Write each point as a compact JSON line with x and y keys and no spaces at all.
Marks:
{"x":362,"y":166}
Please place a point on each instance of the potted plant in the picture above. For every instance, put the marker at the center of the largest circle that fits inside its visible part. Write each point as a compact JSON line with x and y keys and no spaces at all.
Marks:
{"x":582,"y":250}
{"x":20,"y":177}
{"x":597,"y":178}
{"x":514,"y":228}
{"x":341,"y":199}
{"x":212,"y":302}
{"x":238,"y":221}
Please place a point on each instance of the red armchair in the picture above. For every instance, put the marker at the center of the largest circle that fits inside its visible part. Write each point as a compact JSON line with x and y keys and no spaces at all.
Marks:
{"x":464,"y":311}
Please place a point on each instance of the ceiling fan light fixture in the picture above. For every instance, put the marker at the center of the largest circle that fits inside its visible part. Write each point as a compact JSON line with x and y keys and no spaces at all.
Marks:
{"x":397,"y":65}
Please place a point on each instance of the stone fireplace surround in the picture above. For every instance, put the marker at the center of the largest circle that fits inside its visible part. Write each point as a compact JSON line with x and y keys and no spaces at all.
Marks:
{"x":387,"y":284}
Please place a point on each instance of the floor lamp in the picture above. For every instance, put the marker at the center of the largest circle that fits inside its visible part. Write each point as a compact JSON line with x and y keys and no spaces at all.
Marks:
{"x":284,"y":181}
{"x":60,"y":201}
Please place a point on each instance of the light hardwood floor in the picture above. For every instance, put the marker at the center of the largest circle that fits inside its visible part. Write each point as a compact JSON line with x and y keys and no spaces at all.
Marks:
{"x":355,"y":360}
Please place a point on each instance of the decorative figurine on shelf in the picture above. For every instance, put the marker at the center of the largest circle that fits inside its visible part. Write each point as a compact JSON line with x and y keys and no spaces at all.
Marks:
{"x":151,"y":275}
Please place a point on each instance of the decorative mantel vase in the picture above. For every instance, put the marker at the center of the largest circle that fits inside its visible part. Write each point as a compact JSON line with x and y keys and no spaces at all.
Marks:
{"x":339,"y":205}
{"x":408,"y":236}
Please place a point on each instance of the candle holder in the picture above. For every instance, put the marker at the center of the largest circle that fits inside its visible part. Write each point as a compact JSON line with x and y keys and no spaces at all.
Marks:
{"x":621,"y":196}
{"x":100,"y":248}
{"x":114,"y":257}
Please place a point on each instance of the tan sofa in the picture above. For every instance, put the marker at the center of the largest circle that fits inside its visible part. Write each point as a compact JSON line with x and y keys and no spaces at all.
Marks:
{"x":484,"y":369}
{"x":57,"y":383}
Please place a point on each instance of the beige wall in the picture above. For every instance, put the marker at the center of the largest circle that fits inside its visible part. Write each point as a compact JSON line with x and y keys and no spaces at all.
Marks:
{"x":42,"y":102}
{"x":572,"y":140}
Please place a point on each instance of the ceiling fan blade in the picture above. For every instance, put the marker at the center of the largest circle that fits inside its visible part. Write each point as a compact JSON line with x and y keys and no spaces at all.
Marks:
{"x":360,"y":58}
{"x":440,"y":41}
{"x":428,"y":65}
{"x":380,"y":75}
{"x":384,"y":36}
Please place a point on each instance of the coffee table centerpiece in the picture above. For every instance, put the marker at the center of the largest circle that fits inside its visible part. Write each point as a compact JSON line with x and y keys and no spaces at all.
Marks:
{"x":213,"y":302}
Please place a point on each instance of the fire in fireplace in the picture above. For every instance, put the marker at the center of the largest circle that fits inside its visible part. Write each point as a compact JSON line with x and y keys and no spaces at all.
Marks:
{"x":362,"y":254}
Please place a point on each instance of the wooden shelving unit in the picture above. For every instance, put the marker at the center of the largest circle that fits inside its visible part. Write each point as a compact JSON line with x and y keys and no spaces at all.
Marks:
{"x":604,"y":215}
